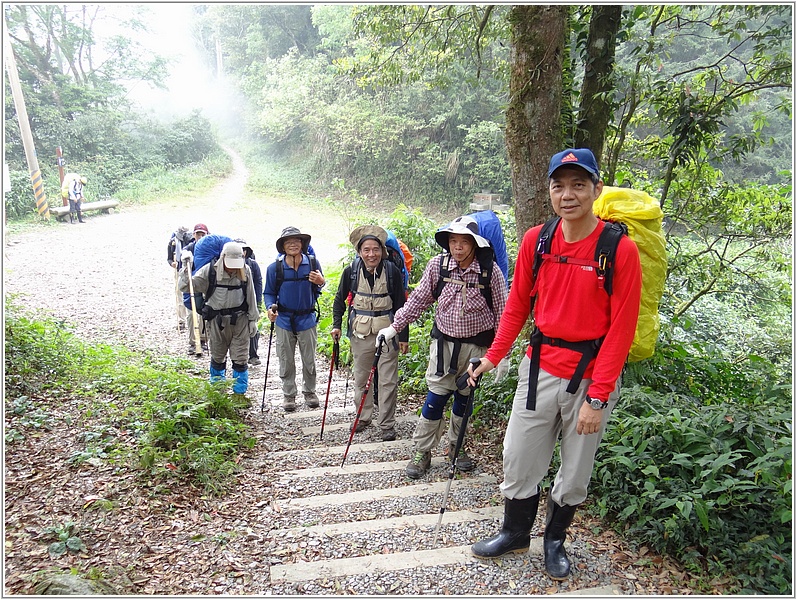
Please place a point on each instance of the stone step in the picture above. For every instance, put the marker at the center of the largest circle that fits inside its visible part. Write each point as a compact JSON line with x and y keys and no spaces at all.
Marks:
{"x":403,"y":491}
{"x":428,"y":520}
{"x":315,"y":430}
{"x":355,"y":448}
{"x":378,"y":467}
{"x":381,"y":563}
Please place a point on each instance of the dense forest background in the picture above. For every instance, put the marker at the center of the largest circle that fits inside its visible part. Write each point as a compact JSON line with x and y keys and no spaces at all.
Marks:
{"x":427,"y":105}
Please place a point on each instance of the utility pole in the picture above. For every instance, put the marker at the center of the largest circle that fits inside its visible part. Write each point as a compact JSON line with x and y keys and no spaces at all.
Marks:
{"x":24,"y":125}
{"x":59,"y":160}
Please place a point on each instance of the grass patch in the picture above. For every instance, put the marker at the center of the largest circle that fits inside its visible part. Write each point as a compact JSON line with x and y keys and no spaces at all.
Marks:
{"x":174,"y":424}
{"x":156,"y":182}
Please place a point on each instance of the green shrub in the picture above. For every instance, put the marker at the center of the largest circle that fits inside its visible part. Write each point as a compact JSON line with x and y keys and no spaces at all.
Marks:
{"x":709,"y":485}
{"x":181,"y":425}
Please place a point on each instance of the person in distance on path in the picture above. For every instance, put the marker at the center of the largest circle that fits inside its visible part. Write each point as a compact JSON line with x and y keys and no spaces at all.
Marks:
{"x":464,"y":326}
{"x":576,"y":321}
{"x":374,"y":288}
{"x":200,"y":231}
{"x":293,"y":284}
{"x":178,"y":240}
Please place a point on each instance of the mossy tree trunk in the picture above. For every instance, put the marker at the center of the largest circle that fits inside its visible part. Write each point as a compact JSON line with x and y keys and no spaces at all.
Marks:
{"x":533,"y":130}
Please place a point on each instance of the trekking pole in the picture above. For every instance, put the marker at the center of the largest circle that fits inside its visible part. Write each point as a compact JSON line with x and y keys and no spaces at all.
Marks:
{"x":346,"y":391}
{"x":362,"y":399}
{"x":268,"y":359}
{"x":195,"y":316}
{"x":332,"y":363}
{"x":178,"y":297}
{"x":462,"y":383}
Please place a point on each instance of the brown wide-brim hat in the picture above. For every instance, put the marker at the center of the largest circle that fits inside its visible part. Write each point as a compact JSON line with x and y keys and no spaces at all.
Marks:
{"x":293,"y":232}
{"x":368,"y":232}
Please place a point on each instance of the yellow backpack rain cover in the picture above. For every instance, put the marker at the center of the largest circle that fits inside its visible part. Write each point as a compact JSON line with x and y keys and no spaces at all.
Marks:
{"x":643,"y":216}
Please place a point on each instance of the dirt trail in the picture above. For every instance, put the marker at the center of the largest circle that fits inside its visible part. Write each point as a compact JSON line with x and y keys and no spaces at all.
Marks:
{"x":109,"y":276}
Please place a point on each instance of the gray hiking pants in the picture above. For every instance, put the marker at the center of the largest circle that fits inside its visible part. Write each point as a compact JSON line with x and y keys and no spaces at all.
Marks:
{"x":531,"y":437}
{"x":226,"y":338}
{"x":286,"y":343}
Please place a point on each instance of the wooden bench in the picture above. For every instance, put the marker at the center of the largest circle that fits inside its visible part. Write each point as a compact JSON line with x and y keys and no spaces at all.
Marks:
{"x":62,"y":212}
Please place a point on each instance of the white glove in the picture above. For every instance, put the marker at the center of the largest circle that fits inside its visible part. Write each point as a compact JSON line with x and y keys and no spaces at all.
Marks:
{"x":252,"y":329}
{"x":502,"y":369}
{"x":186,"y":256}
{"x":388,"y":333}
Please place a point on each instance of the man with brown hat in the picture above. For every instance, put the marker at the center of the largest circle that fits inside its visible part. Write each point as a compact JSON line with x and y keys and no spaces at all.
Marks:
{"x":470,"y":292}
{"x":293,"y":284}
{"x":376,"y":288}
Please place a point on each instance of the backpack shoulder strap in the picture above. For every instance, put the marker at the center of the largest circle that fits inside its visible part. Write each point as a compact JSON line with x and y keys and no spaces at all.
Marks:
{"x":211,"y":278}
{"x":542,"y":248}
{"x":486,"y":262}
{"x":445,"y":259}
{"x":544,"y":244}
{"x":606,"y":250}
{"x":280,"y":272}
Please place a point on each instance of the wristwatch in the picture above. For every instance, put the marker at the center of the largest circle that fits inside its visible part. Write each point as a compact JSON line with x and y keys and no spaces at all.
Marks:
{"x":596,"y":404}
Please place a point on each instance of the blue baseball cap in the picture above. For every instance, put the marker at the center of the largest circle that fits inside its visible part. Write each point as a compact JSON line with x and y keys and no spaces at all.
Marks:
{"x":581,"y":157}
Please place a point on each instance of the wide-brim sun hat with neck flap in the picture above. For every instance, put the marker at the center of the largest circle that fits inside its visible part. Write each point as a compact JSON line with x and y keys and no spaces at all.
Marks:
{"x":463,"y":226}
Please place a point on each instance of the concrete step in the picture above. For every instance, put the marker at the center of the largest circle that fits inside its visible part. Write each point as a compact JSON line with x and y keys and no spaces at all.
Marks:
{"x":381,"y":563}
{"x":428,"y":520}
{"x":379,"y":467}
{"x":371,"y":495}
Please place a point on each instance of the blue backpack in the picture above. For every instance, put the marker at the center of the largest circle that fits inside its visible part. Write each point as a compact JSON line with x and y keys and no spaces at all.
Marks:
{"x":490,"y":228}
{"x":396,"y":256}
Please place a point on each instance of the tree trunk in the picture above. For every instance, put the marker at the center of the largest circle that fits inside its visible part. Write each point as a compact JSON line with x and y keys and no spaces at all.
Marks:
{"x":533,"y":132}
{"x":596,"y":106}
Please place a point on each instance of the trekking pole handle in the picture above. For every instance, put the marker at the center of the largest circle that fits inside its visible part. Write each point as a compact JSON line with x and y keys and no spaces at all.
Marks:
{"x":462,"y":381}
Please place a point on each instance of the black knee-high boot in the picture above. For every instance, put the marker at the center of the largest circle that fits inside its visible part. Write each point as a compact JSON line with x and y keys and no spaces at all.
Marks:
{"x":557,"y":521}
{"x":515,"y":534}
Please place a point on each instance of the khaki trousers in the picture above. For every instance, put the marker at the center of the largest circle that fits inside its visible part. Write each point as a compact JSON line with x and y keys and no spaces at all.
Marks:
{"x":531,"y":437}
{"x":363,"y":352}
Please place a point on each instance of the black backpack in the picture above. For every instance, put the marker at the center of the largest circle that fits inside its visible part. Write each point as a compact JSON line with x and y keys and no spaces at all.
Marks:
{"x":486,"y":258}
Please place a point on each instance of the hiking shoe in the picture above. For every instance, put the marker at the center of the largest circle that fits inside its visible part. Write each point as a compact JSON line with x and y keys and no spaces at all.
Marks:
{"x":419,"y":464}
{"x":311,"y":400}
{"x":204,"y":346}
{"x":388,"y":435}
{"x":254,"y":360}
{"x":361,"y":425}
{"x":181,"y":326}
{"x":464,"y":462}
{"x":288,"y":404}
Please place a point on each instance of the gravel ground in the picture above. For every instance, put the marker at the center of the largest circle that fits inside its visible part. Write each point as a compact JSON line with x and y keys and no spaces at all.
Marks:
{"x":109,"y":278}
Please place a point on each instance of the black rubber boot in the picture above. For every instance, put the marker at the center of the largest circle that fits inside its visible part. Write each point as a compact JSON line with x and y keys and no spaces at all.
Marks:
{"x":557,"y":521}
{"x":71,"y":217}
{"x":80,"y":217}
{"x":515,"y":534}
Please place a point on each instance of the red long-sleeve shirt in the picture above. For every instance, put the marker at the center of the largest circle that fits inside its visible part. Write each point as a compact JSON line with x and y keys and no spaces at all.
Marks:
{"x":571,"y":306}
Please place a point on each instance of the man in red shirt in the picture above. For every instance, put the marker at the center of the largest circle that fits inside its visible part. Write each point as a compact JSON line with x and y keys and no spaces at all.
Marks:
{"x":580,"y":330}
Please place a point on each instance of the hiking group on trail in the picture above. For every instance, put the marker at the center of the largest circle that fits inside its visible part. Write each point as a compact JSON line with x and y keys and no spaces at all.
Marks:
{"x":578,"y":277}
